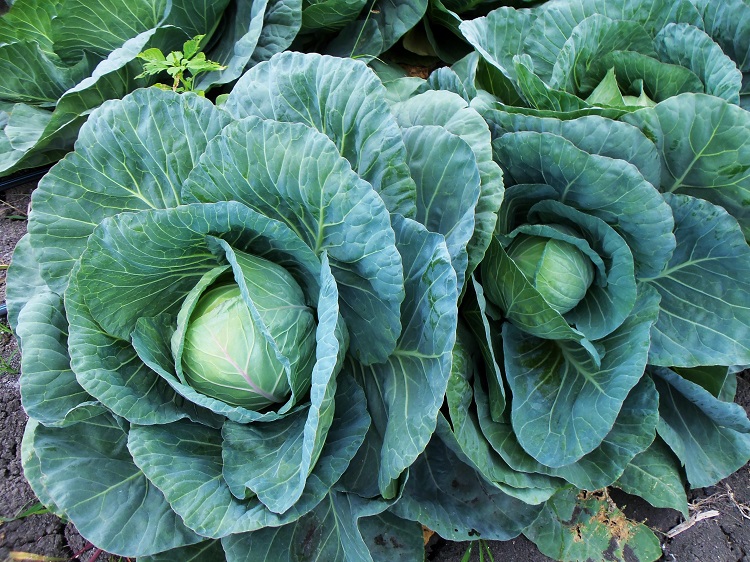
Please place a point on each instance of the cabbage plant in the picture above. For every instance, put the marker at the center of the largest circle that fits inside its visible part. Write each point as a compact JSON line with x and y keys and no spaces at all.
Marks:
{"x":598,"y":337}
{"x":60,"y":60}
{"x":237,"y":321}
{"x":675,"y":70}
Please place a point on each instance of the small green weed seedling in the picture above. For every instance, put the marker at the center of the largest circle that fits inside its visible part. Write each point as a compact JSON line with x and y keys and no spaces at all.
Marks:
{"x":6,"y":365}
{"x":26,"y":511}
{"x":183,"y":66}
{"x":483,"y":548}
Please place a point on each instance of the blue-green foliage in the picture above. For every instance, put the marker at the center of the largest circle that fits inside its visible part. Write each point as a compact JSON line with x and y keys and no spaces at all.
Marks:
{"x":526,"y":277}
{"x":167,"y":197}
{"x":60,"y":60}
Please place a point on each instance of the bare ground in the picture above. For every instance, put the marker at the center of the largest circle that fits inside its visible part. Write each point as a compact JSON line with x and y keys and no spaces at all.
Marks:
{"x":723,"y":538}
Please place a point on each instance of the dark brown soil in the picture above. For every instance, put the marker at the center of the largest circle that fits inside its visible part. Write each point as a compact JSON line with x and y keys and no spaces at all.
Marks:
{"x":725,"y":538}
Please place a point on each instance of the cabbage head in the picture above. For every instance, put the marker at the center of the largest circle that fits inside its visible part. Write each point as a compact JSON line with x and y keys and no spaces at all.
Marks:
{"x":237,"y":321}
{"x":225,"y":353}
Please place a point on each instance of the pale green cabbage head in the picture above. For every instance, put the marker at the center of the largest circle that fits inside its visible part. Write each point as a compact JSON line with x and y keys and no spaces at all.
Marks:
{"x":558,"y":270}
{"x":235,"y":349}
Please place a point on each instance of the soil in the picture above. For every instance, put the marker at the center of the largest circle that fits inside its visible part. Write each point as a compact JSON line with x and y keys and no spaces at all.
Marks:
{"x":723,"y":538}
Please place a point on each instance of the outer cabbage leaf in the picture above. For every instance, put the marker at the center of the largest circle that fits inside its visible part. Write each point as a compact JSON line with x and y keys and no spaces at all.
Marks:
{"x":563,"y":404}
{"x":465,"y":389}
{"x":185,"y":461}
{"x":655,"y":476}
{"x":710,"y":437}
{"x":363,"y":531}
{"x":49,"y":391}
{"x":445,"y":171}
{"x":451,"y":498}
{"x":631,"y":434}
{"x":705,"y":317}
{"x":592,"y":134}
{"x":250,"y":31}
{"x":165,"y":134}
{"x":115,"y":493}
{"x":405,"y":393}
{"x":24,"y":267}
{"x":450,"y":112}
{"x":704,"y":145}
{"x":341,"y":99}
{"x":379,"y":26}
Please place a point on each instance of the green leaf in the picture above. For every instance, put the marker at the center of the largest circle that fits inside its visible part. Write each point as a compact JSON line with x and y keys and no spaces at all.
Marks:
{"x":191,"y":47}
{"x":331,"y":531}
{"x":103,"y":26}
{"x":611,"y":190}
{"x":405,"y":393}
{"x":32,"y":470}
{"x":558,"y":21}
{"x":710,"y":437}
{"x":477,"y":312}
{"x":446,"y":79}
{"x":611,"y":296}
{"x":592,"y":134}
{"x":592,"y":528}
{"x":646,"y":77}
{"x":705,"y":317}
{"x":23,"y":280}
{"x":449,"y":111}
{"x":109,"y":503}
{"x":563,"y":404}
{"x":380,"y":25}
{"x":718,"y":380}
{"x":726,"y":23}
{"x":390,"y":538}
{"x":342,"y":99}
{"x":151,"y":339}
{"x":292,"y":173}
{"x":499,"y":37}
{"x":655,"y":476}
{"x":131,"y":155}
{"x":252,"y":32}
{"x":704,"y":144}
{"x":455,"y":501}
{"x":281,"y":25}
{"x":153,"y":55}
{"x":206,"y":551}
{"x":538,"y":94}
{"x":592,"y":39}
{"x":607,"y":92}
{"x":103,"y":41}
{"x":185,"y":461}
{"x":632,"y":432}
{"x":445,"y":171}
{"x":329,"y":15}
{"x":45,"y":78}
{"x":475,"y":445}
{"x":692,"y":48}
{"x":49,"y":389}
{"x":29,"y":20}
